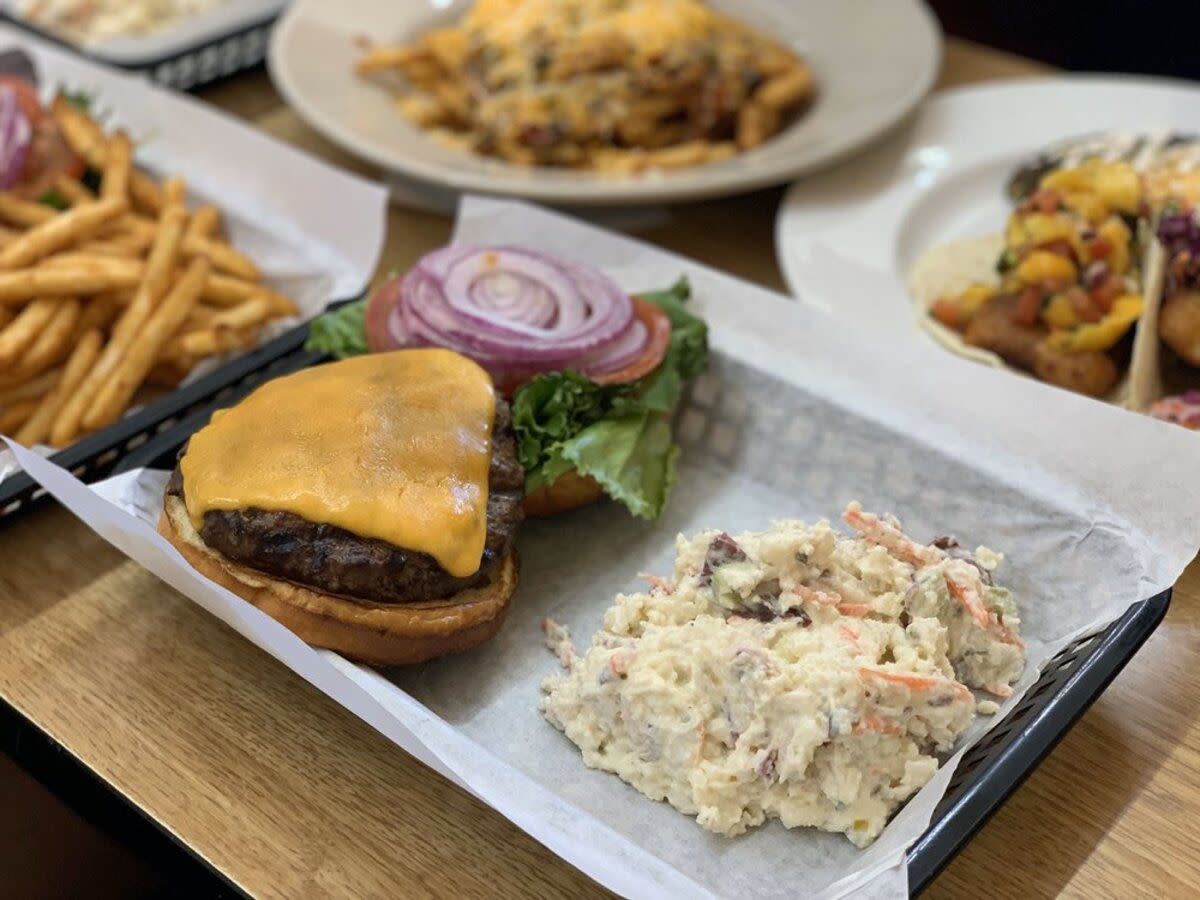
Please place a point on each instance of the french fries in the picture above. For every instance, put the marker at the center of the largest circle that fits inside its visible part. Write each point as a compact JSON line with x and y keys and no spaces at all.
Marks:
{"x":73,"y":190}
{"x":222,"y":256}
{"x":118,"y":166}
{"x":124,"y":288}
{"x":135,"y":365}
{"x":37,"y":426}
{"x":14,"y":416}
{"x":23,"y":213}
{"x":206,"y":222}
{"x":80,"y":276}
{"x":88,"y":140}
{"x":69,"y":228}
{"x":23,"y":330}
{"x":54,"y":343}
{"x":174,"y":191}
{"x":207,"y":342}
{"x":29,"y":389}
{"x":686,"y":85}
{"x":253,"y":312}
{"x":155,"y":280}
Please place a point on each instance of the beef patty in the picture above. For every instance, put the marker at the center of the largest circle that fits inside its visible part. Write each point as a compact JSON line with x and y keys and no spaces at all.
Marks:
{"x":337,"y":561}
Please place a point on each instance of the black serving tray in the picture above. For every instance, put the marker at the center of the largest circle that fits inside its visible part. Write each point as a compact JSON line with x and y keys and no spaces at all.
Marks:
{"x":987,"y":774}
{"x":192,"y":67}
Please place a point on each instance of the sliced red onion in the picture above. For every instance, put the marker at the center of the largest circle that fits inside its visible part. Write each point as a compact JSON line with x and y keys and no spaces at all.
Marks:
{"x":16,"y":134}
{"x":510,"y":309}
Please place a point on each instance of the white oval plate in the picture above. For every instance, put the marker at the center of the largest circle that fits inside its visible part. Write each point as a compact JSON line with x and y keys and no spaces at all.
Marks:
{"x":847,"y":241}
{"x":873,"y":60}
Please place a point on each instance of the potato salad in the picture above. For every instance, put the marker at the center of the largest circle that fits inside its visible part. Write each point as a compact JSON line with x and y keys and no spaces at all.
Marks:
{"x":795,"y":673}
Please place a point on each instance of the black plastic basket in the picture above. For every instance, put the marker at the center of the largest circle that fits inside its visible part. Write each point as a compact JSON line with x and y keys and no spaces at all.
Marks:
{"x":190,"y":67}
{"x":213,"y":60}
{"x":987,"y":774}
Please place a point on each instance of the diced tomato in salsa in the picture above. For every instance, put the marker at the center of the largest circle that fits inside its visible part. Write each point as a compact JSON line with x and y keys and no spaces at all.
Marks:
{"x":1099,"y":248}
{"x":1106,"y":292}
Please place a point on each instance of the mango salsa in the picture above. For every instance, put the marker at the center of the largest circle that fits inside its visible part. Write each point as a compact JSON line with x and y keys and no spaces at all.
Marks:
{"x":1103,"y":334}
{"x":1042,"y":265}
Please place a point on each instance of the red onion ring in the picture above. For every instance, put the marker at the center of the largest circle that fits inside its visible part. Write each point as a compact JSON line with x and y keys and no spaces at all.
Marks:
{"x":510,"y":309}
{"x":16,"y":134}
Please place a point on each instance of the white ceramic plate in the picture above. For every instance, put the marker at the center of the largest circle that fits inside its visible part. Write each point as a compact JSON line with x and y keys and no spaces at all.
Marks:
{"x":176,"y":37}
{"x":848,"y":240}
{"x":873,"y":60}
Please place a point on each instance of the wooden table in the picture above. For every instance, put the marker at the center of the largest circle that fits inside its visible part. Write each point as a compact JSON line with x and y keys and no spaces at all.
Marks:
{"x":287,"y":794}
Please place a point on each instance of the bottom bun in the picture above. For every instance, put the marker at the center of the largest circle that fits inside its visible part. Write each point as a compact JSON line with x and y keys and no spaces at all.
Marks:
{"x":568,"y":491}
{"x":376,"y":633}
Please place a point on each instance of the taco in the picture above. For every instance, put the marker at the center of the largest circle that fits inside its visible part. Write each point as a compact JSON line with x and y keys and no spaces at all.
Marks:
{"x":1174,"y":190}
{"x":1059,"y":294}
{"x":1094,"y":285}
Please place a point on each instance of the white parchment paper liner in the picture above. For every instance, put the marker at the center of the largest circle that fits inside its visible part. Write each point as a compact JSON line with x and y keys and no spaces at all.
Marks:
{"x":800,"y":413}
{"x":315,"y":231}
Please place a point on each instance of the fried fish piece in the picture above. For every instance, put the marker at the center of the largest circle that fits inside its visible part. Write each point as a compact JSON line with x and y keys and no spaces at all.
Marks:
{"x":1090,"y":372}
{"x":1179,"y":325}
{"x":992,"y":328}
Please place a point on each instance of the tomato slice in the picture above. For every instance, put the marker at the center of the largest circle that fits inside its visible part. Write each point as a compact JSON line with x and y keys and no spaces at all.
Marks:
{"x":49,"y":157}
{"x":375,"y":320}
{"x":658,"y":327}
{"x":27,"y":97}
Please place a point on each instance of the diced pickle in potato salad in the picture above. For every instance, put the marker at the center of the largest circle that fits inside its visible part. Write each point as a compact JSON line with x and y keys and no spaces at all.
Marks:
{"x":795,"y":673}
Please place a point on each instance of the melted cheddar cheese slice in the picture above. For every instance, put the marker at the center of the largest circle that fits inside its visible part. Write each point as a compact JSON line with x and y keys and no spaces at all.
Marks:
{"x":394,"y":446}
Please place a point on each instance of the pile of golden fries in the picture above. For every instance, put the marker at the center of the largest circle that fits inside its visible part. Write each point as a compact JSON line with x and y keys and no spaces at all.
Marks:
{"x":614,"y":85}
{"x":118,"y":293}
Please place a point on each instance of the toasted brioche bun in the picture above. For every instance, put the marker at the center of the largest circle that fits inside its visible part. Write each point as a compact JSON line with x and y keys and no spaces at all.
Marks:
{"x":569,"y":491}
{"x":375,"y":633}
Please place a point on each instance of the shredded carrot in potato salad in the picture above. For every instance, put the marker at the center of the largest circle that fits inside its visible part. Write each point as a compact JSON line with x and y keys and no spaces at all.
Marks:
{"x":794,"y":673}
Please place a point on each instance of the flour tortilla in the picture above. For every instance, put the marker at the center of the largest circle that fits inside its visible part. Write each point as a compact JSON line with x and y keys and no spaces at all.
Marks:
{"x":949,"y":269}
{"x":946,"y":271}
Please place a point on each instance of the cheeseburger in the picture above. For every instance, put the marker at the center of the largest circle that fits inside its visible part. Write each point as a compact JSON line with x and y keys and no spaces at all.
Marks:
{"x":594,"y":373}
{"x":369,"y":505}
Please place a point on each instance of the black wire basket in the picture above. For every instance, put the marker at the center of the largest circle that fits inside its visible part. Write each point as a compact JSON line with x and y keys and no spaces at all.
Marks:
{"x":190,"y":66}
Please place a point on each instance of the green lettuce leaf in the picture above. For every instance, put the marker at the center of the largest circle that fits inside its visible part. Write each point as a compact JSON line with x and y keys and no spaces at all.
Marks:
{"x":689,"y":334}
{"x":78,"y":97}
{"x":620,"y":434}
{"x":633,"y":459}
{"x":340,"y":332}
{"x":53,"y":199}
{"x":552,"y":408}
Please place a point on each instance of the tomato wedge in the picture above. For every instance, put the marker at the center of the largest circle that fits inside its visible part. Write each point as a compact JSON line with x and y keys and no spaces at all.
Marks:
{"x":658,"y":329}
{"x":49,"y":154}
{"x":27,"y":97}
